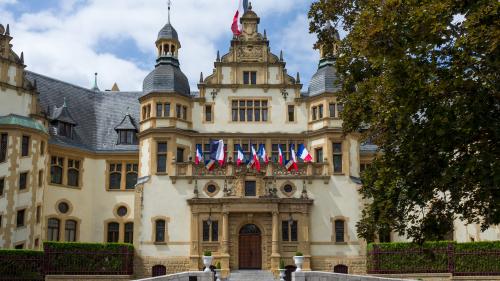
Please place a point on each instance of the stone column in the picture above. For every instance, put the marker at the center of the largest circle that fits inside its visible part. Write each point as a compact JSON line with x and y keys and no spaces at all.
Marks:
{"x":225,"y":245}
{"x":194,"y":251}
{"x":275,"y":252}
{"x":306,"y":244}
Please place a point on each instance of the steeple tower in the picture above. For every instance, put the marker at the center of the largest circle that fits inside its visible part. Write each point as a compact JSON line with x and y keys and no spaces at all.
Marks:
{"x":168,"y":44}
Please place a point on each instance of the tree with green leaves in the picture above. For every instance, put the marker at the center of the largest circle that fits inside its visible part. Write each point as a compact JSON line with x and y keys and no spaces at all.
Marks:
{"x":420,"y":79}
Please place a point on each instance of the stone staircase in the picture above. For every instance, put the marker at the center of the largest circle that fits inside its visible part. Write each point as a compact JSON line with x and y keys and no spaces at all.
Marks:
{"x":250,"y":275}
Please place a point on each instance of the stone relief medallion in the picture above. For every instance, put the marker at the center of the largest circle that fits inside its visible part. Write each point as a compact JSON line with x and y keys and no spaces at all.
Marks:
{"x":250,"y":53}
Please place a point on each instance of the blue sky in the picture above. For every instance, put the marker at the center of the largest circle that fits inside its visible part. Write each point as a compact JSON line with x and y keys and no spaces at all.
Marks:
{"x":72,"y":39}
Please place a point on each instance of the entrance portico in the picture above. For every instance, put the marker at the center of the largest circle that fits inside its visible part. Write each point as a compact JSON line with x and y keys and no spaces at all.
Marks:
{"x":250,"y":231}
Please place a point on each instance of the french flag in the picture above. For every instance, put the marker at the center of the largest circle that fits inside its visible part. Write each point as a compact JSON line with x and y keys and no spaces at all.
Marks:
{"x":304,"y":154}
{"x":292,"y":163}
{"x":240,"y":157}
{"x":210,"y":164}
{"x":199,"y":156}
{"x":280,"y":155}
{"x":254,"y":162}
{"x":217,"y":151}
{"x":262,"y":153}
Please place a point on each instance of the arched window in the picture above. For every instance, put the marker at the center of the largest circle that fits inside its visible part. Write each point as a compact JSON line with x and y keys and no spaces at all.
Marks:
{"x":56,"y":169}
{"x":160,"y":230}
{"x":53,"y":230}
{"x":340,"y":268}
{"x":129,"y":233}
{"x":339,"y":231}
{"x":73,"y":172}
{"x":159,"y":270}
{"x":131,"y":177}
{"x":70,"y":230}
{"x":113,"y":232}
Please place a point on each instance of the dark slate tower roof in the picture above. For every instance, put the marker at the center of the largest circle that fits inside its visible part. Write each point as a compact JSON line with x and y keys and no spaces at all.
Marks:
{"x":168,"y":32}
{"x":167,"y":77}
{"x":128,"y":123}
{"x":325,"y":79}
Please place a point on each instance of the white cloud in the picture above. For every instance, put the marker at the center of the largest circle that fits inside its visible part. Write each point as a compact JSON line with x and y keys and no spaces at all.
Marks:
{"x":62,"y":42}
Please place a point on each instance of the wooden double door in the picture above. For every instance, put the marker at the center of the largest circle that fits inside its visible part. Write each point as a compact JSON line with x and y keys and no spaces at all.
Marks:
{"x":250,"y":247}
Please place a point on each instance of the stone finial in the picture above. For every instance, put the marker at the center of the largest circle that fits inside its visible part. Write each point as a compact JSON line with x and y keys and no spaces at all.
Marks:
{"x":218,"y":56}
{"x":95,"y":88}
{"x":297,"y":80}
{"x":249,"y":6}
{"x":22,"y":58}
{"x":265,"y":34}
{"x":281,"y":55}
{"x":7,"y":30}
{"x":201,"y":77}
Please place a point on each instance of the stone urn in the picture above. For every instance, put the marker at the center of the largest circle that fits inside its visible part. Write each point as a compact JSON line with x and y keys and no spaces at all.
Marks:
{"x":217,"y":274}
{"x":299,"y":260}
{"x":282,"y":274}
{"x":207,"y":262}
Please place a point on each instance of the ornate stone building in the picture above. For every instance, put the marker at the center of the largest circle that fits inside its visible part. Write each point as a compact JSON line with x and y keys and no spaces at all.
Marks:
{"x":112,"y":166}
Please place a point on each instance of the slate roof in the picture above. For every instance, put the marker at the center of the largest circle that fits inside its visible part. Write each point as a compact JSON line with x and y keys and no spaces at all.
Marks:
{"x":128,"y":123}
{"x":168,"y":32}
{"x":62,"y":114}
{"x":325,"y":79}
{"x":14,"y":119}
{"x":96,"y":113}
{"x":167,"y":77}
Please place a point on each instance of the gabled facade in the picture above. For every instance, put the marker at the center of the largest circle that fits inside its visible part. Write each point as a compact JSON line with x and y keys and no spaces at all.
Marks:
{"x":87,"y":165}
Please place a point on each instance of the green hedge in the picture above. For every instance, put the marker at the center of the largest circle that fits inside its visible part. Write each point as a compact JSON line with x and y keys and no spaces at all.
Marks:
{"x":465,"y":258}
{"x":21,"y":265}
{"x":92,"y":258}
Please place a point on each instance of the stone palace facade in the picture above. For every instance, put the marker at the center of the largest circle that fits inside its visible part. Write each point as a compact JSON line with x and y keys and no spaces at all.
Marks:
{"x":86,"y":165}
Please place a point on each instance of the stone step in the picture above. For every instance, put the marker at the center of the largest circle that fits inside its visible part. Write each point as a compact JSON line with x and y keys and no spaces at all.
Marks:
{"x":250,"y":275}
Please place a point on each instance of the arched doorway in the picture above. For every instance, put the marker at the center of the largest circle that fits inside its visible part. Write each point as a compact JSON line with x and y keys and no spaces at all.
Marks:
{"x":250,"y":250}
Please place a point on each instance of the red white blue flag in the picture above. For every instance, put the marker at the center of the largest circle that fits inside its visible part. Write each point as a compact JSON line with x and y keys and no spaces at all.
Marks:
{"x":254,"y":160}
{"x":292,"y":163}
{"x":304,"y":154}
{"x":262,"y":153}
{"x":240,"y":157}
{"x":280,"y":155}
{"x":199,"y":155}
{"x":217,"y":151}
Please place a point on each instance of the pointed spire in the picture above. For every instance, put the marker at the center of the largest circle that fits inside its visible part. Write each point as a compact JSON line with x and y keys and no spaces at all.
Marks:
{"x":265,"y":34}
{"x":95,"y":88}
{"x":281,"y":55}
{"x":115,"y":88}
{"x":22,"y":57}
{"x":7,"y":30}
{"x":169,"y":3}
{"x":201,"y":77}
{"x":218,"y":56}
{"x":297,"y":80}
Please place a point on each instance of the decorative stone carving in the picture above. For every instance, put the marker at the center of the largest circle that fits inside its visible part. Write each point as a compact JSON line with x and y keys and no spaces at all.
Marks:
{"x":250,"y":53}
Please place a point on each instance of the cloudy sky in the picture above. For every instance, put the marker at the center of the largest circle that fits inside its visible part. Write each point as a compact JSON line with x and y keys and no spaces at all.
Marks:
{"x":72,"y":39}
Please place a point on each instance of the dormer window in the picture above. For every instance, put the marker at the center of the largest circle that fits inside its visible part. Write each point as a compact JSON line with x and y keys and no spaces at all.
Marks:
{"x":65,"y":129}
{"x":127,"y":137}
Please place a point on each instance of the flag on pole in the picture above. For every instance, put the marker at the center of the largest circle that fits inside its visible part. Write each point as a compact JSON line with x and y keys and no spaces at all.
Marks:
{"x":240,"y":157}
{"x":210,"y":164}
{"x":199,"y":155}
{"x":255,"y":160}
{"x":304,"y":154}
{"x":235,"y":27}
{"x":292,"y":163}
{"x":262,"y":153}
{"x":280,"y":155}
{"x":217,"y":151}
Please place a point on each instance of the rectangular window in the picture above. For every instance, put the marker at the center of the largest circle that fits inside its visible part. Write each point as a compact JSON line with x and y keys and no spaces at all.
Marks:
{"x":250,"y":188}
{"x":331,"y":109}
{"x":113,"y":232}
{"x":293,"y":231}
{"x":249,"y":77}
{"x":25,"y":146}
{"x":42,"y":148}
{"x":20,"y":218}
{"x":131,"y":176}
{"x":159,"y":110}
{"x":249,"y":110}
{"x":56,"y":169}
{"x":314,"y":113}
{"x":320,"y":111}
{"x":337,"y":157}
{"x":210,"y":231}
{"x":289,"y":231}
{"x":178,"y":111}
{"x":208,"y":113}
{"x":115,"y":175}
{"x":339,"y":231}
{"x":2,"y":186}
{"x":70,"y":231}
{"x":3,"y":147}
{"x":206,"y":231}
{"x":215,"y":231}
{"x":284,"y":231}
{"x":340,"y":108}
{"x":184,"y":113}
{"x":291,"y":113}
{"x":166,"y":113}
{"x":53,"y":229}
{"x":160,"y":226}
{"x":161,"y":157}
{"x":19,"y":246}
{"x":73,"y":172}
{"x":180,"y":155}
{"x":23,"y":179}
{"x":129,"y":233}
{"x":319,"y":155}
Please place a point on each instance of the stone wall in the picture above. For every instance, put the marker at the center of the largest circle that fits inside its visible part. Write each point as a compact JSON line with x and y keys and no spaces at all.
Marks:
{"x":183,"y":276}
{"x":326,"y":276}
{"x":143,"y":265}
{"x":86,"y":277}
{"x":439,"y":277}
{"x":357,"y":265}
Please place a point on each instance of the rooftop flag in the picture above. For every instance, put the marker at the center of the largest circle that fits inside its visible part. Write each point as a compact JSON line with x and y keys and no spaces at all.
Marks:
{"x":235,"y":27}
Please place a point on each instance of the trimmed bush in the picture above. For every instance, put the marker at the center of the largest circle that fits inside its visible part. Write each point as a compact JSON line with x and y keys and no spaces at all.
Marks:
{"x":21,"y":265}
{"x":477,"y":257}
